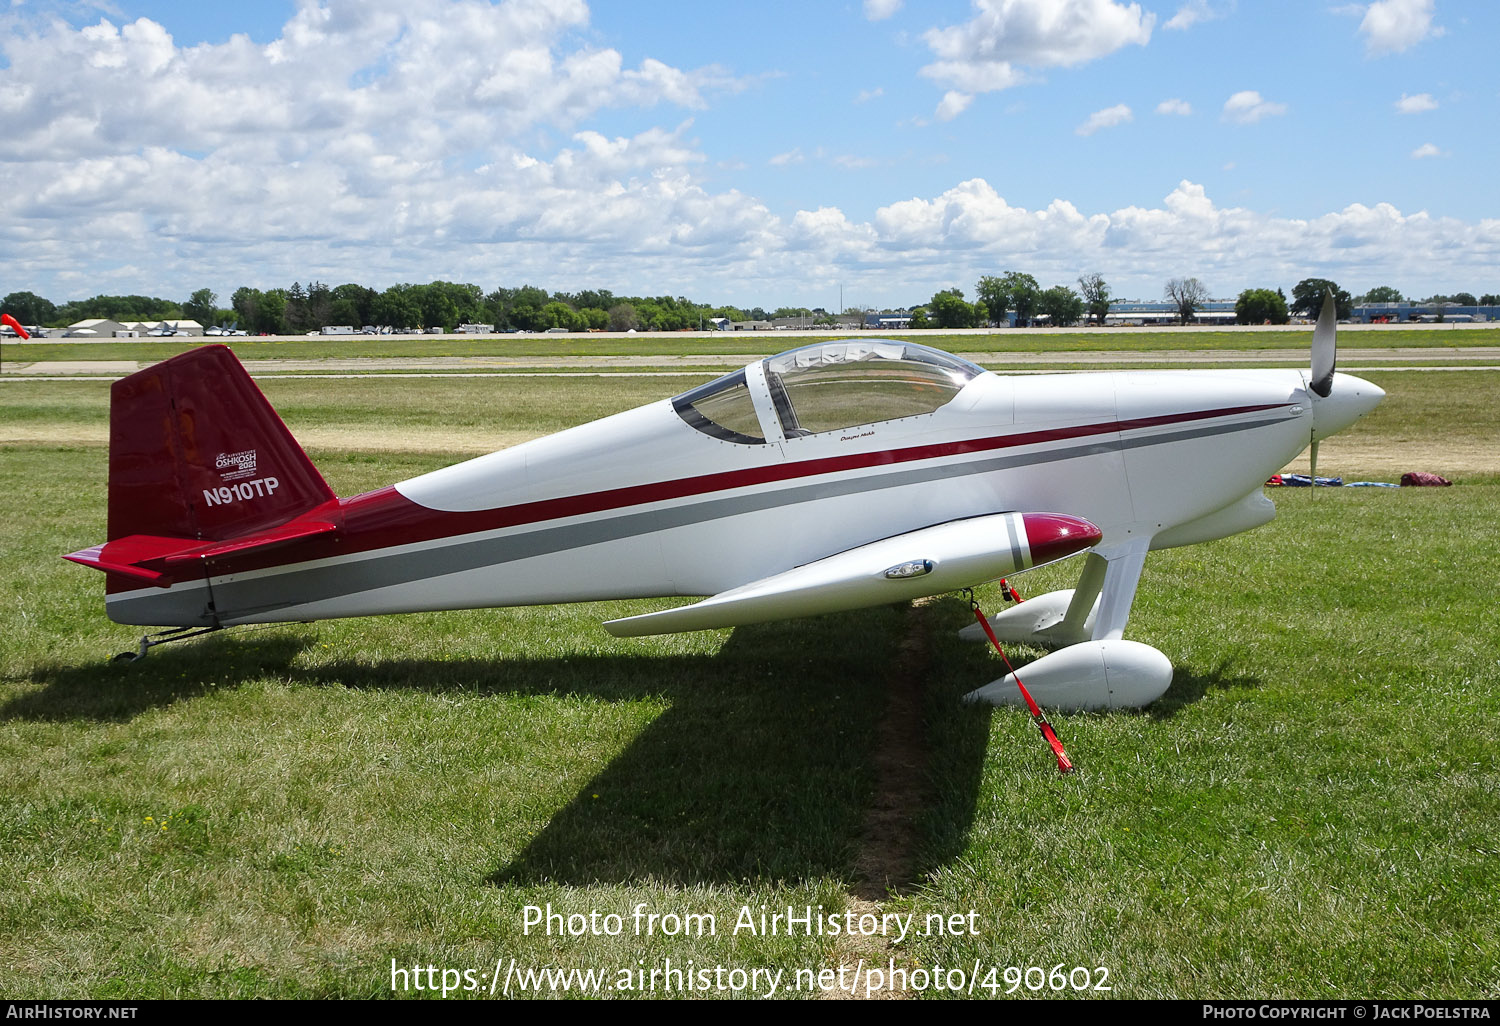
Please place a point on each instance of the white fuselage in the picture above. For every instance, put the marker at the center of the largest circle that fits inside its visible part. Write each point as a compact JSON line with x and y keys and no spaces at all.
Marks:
{"x":641,"y":504}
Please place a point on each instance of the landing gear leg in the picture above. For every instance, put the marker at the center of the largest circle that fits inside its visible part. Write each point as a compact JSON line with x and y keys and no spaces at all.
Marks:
{"x":150,"y":641}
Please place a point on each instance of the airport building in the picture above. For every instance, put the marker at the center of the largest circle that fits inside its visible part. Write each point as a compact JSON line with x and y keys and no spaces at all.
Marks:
{"x":1135,"y":312}
{"x":97,"y":327}
{"x":1125,"y":312}
{"x":1423,"y":313}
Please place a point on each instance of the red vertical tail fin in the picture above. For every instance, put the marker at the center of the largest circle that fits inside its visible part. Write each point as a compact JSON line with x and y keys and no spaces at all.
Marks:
{"x":196,"y":451}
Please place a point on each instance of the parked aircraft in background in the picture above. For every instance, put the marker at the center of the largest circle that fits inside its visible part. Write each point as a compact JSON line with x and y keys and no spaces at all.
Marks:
{"x":836,"y":476}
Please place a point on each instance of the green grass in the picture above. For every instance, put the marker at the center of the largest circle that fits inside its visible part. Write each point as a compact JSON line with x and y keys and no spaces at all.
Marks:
{"x":384,"y":410}
{"x":1309,"y":812}
{"x":754,"y":343}
{"x":1424,"y":410}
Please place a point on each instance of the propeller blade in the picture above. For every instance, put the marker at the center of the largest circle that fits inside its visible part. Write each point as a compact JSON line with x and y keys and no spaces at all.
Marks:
{"x":1324,"y":348}
{"x":1313,"y":459}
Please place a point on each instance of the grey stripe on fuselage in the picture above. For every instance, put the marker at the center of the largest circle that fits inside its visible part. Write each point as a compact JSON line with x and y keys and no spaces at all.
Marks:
{"x":294,"y":587}
{"x":1015,"y":545}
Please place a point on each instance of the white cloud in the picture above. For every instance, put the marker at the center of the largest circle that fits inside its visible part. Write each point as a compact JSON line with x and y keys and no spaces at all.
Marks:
{"x":1248,"y":107}
{"x":349,"y":140}
{"x":1174,"y":106}
{"x":166,"y":168}
{"x":866,"y":95}
{"x":971,"y":230}
{"x":952,"y":105}
{"x":879,"y":10}
{"x":1415,"y":104}
{"x":162,"y":223}
{"x":788,"y":158}
{"x":461,"y":75}
{"x":652,"y":149}
{"x":983,"y":54}
{"x":1390,"y":26}
{"x":1190,"y":14}
{"x":1427,"y":150}
{"x":827,"y":230}
{"x":1106,"y":118}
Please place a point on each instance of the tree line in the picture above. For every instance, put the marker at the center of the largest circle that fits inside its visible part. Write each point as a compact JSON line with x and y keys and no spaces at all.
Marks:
{"x":1014,"y":291}
{"x":438,"y":304}
{"x":442,"y":304}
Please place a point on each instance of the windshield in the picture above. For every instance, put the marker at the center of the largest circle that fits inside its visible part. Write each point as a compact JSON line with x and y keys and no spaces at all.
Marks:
{"x":838,"y":385}
{"x":723,"y":409}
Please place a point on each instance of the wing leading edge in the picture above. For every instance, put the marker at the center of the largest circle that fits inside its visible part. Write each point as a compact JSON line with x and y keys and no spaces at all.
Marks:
{"x":929,"y":561}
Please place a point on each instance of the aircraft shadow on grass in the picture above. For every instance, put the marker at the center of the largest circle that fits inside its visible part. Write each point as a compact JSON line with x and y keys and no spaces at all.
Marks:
{"x":118,"y":692}
{"x":762,"y":766}
{"x":1190,"y":686}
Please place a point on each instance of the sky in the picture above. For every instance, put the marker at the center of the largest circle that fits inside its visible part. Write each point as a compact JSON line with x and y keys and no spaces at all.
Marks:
{"x":823,"y":153}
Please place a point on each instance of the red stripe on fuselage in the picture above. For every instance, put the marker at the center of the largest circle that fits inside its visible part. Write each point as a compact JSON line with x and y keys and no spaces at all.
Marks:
{"x":385,"y":518}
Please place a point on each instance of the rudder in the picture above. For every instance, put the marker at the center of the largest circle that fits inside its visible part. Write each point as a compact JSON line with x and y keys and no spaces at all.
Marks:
{"x":196,"y":451}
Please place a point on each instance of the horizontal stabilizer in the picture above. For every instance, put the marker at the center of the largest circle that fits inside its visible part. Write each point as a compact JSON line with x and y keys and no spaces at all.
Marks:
{"x":94,"y":557}
{"x":276,"y":536}
{"x":145,"y":559}
{"x":928,"y":561}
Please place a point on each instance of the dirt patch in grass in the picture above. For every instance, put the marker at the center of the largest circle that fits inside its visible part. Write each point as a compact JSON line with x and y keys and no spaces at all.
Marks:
{"x":887,"y":846}
{"x":1380,"y":460}
{"x":425,"y":440}
{"x":888,"y":842}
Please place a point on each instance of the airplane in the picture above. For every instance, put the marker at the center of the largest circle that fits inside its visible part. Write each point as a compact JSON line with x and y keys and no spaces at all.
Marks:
{"x":836,"y":476}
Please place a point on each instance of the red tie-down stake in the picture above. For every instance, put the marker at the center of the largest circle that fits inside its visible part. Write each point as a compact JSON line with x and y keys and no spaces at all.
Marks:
{"x":1064,"y":764}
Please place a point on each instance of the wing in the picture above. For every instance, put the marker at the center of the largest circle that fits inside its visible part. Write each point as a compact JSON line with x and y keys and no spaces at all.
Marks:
{"x":929,"y":561}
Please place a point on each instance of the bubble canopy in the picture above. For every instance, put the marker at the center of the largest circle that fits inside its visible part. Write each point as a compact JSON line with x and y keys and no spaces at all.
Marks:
{"x":829,"y":386}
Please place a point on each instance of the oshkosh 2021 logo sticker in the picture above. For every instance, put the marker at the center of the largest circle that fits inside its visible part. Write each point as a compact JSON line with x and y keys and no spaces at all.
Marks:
{"x":234,"y":465}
